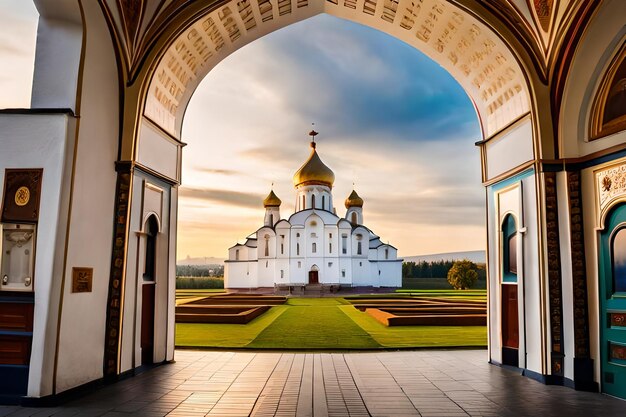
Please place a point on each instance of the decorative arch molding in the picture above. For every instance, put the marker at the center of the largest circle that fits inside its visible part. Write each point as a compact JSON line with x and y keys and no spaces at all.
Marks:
{"x":610,"y":183}
{"x":608,"y":114}
{"x":467,"y":48}
{"x":146,"y":218}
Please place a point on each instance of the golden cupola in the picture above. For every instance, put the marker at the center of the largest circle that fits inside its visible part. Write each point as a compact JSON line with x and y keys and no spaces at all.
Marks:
{"x":314,"y":171}
{"x":271,"y":200}
{"x":354,"y":200}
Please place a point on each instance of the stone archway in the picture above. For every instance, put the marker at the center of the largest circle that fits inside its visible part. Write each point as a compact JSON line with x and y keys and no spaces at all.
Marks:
{"x":112,"y":81}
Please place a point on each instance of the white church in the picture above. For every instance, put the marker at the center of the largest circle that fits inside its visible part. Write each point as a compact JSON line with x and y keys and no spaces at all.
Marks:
{"x":314,"y":245}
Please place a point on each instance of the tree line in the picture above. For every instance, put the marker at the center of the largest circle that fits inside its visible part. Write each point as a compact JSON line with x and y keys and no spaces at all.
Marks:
{"x":433,"y":269}
{"x":200,"y":270}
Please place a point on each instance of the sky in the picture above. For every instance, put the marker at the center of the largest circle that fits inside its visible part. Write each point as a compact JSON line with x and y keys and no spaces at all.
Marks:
{"x":391,"y":121}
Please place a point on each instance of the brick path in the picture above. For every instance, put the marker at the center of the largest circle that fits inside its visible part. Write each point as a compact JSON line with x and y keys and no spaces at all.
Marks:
{"x":418,"y":383}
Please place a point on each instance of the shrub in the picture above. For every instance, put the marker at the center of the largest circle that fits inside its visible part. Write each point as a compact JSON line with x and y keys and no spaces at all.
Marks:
{"x":463,"y":274}
{"x":188,"y":283}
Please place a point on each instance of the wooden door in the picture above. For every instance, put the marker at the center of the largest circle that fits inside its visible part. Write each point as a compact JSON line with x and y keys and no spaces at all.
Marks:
{"x":147,"y":324}
{"x":313,"y":277}
{"x":612,"y":277}
{"x":510,"y":325}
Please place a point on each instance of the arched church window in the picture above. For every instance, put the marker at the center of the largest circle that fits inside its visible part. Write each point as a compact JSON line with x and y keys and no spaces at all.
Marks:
{"x":509,"y":249}
{"x":298,"y":249}
{"x":359,"y":248}
{"x":303,"y":203}
{"x":313,"y":201}
{"x":314,"y":247}
{"x":267,"y":245}
{"x":323,"y":202}
{"x":271,"y":219}
{"x":149,"y":268}
{"x":618,"y":250}
{"x":237,"y":254}
{"x":344,"y":244}
{"x":386,"y":253}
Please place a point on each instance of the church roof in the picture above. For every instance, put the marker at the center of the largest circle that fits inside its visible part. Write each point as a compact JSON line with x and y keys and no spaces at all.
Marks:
{"x":314,"y":171}
{"x":271,"y":200}
{"x":354,"y":200}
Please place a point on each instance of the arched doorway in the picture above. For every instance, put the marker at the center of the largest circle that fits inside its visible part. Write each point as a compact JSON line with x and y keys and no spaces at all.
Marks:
{"x":613,"y":302}
{"x":314,"y":275}
{"x":509,"y":290}
{"x":148,"y":292}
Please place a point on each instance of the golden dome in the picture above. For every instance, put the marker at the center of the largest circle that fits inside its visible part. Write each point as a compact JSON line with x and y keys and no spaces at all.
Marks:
{"x":314,"y":171}
{"x":271,"y":200}
{"x":354,"y":200}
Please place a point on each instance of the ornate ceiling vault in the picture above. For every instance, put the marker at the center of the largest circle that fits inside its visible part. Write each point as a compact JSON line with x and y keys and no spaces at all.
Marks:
{"x":450,"y":32}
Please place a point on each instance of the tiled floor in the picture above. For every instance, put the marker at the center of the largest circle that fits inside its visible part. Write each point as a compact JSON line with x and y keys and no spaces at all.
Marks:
{"x":420,"y":383}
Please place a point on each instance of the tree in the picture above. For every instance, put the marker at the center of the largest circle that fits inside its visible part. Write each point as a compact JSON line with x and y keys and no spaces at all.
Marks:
{"x":463,"y":274}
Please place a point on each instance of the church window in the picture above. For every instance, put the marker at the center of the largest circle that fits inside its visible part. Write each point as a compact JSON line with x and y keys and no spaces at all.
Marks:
{"x":343,"y":273}
{"x":297,"y":249}
{"x":314,"y":247}
{"x":344,"y":244}
{"x":282,"y":273}
{"x":360,"y":263}
{"x":509,"y":249}
{"x":237,"y":254}
{"x":297,"y":234}
{"x":152,"y":229}
{"x":354,"y":218}
{"x":303,"y":205}
{"x":271,"y":219}
{"x":267,"y":245}
{"x":330,"y":247}
{"x":386,"y":253}
{"x":323,"y":202}
{"x":330,"y":235}
{"x":359,"y":248}
{"x":313,"y":201}
{"x":619,"y":261}
{"x":266,"y":264}
{"x":330,"y":264}
{"x":282,"y":248}
{"x":299,"y":264}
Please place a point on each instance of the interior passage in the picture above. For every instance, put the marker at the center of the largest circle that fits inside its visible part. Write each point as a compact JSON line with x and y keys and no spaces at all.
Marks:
{"x":410,"y":383}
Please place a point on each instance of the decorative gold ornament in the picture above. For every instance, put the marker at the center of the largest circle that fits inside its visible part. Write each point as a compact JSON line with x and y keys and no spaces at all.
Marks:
{"x":22,"y":196}
{"x":606,"y":183}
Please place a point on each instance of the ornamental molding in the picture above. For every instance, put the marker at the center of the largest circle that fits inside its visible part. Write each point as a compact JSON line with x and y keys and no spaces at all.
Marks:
{"x":610,"y":184}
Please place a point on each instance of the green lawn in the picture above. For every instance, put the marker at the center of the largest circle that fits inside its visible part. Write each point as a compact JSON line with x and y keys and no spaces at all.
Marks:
{"x":323,"y":323}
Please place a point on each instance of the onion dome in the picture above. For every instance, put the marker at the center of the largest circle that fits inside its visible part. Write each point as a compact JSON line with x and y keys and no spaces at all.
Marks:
{"x":271,"y":200}
{"x":354,"y":200}
{"x":314,"y":171}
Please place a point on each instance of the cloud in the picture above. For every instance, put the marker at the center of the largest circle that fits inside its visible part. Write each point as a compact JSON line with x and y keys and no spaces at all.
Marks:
{"x":217,"y":171}
{"x":234,"y":198}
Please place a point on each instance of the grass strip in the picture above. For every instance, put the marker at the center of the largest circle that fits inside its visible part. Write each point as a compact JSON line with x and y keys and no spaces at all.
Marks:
{"x":314,"y":323}
{"x":225,"y":335}
{"x":417,"y":336}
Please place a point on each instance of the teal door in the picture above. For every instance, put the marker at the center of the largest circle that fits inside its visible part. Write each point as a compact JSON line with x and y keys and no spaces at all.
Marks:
{"x":613,"y":303}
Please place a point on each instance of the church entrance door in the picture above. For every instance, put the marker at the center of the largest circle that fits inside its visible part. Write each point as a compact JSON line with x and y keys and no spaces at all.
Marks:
{"x":147,"y":324}
{"x":314,"y":277}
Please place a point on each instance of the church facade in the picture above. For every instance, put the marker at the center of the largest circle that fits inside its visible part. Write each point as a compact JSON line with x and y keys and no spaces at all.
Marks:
{"x":313,"y":245}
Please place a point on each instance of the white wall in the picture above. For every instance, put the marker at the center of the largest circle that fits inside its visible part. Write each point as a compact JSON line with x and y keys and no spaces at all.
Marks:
{"x":90,"y":232}
{"x":43,"y":141}
{"x":510,"y":149}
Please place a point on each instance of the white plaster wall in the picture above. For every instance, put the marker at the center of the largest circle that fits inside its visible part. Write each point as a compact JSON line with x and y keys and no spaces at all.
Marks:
{"x":510,"y":149}
{"x":241,"y":274}
{"x":43,"y":141}
{"x":590,"y":62}
{"x":82,"y":331}
{"x":390,"y":274}
{"x":157,"y":151}
{"x":345,"y":263}
{"x":266,"y":269}
{"x":298,"y":275}
{"x":331,"y":272}
{"x":361,"y":272}
{"x":57,"y":62}
{"x":566,"y":275}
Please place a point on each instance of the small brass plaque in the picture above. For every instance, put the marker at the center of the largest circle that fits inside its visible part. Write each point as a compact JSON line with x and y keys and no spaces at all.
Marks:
{"x":22,"y":196}
{"x":82,"y":278}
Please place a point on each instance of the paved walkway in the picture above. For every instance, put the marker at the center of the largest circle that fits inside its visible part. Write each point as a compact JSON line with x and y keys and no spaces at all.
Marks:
{"x":419,"y":383}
